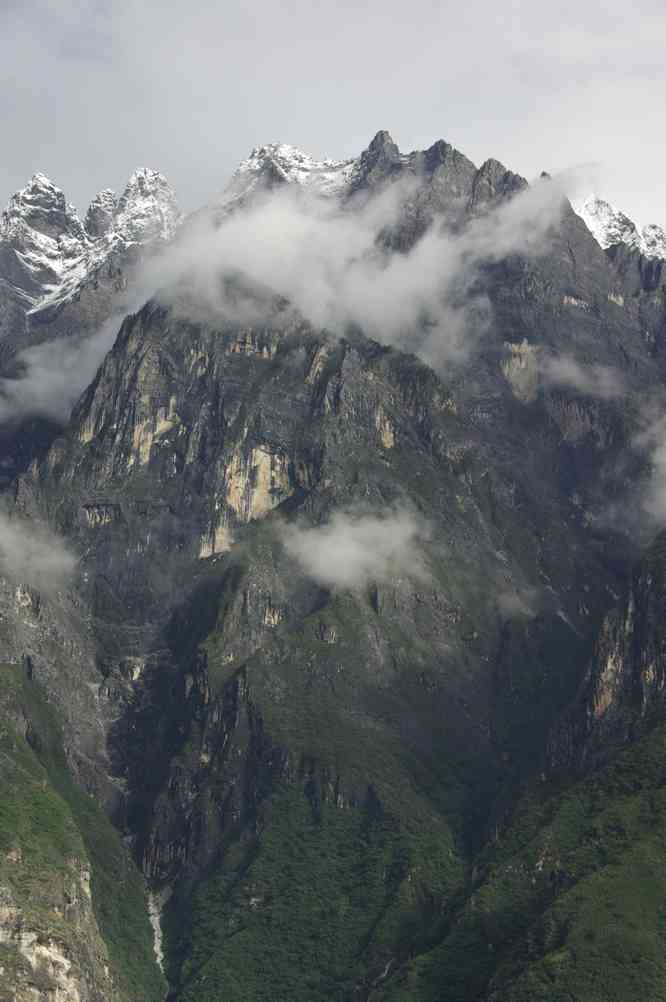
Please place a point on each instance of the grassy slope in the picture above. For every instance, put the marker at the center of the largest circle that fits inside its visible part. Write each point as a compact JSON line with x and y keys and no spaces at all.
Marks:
{"x":301,"y":913}
{"x":310,"y":870}
{"x":566,"y":906}
{"x":310,"y":898}
{"x":51,"y":821}
{"x":571,"y":903}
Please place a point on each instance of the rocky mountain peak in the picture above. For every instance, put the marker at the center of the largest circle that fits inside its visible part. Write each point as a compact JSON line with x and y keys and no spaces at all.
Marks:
{"x":439,"y":153}
{"x":40,"y":192}
{"x":147,"y":209}
{"x":99,"y":217}
{"x":381,"y":159}
{"x":383,"y":145}
{"x":276,"y":164}
{"x":654,"y":241}
{"x":281,"y":163}
{"x":41,"y":206}
{"x":494,"y":181}
{"x":47,"y":253}
{"x":610,"y":227}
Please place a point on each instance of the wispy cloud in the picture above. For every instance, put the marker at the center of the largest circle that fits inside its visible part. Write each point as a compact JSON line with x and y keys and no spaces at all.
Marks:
{"x":326,"y":262}
{"x":32,"y":555}
{"x":353,"y":550}
{"x":518,"y":603}
{"x":53,"y":375}
{"x":599,"y":381}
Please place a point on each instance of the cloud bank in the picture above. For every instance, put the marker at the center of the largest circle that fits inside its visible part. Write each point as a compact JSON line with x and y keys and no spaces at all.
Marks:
{"x":353,"y":550}
{"x":32,"y":555}
{"x":326,"y":262}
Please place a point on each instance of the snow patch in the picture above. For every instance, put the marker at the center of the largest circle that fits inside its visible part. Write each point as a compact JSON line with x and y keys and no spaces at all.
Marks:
{"x":280,"y":163}
{"x":326,"y":177}
{"x":54,"y":253}
{"x":609,"y":226}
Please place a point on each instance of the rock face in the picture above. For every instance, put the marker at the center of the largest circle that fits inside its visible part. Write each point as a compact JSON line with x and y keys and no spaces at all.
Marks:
{"x":345,"y":633}
{"x":61,"y":281}
{"x":71,"y":961}
{"x":438,"y":181}
{"x":621,"y":694}
{"x":70,"y":900}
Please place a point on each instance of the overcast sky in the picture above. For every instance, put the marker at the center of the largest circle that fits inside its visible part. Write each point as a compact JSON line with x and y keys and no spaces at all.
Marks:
{"x":91,"y":89}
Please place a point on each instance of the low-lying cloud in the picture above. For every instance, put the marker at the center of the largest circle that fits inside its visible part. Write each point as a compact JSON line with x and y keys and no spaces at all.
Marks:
{"x":53,"y":375}
{"x":321,"y":260}
{"x":651,"y":442}
{"x":328,"y":263}
{"x":353,"y":550}
{"x":32,"y":555}
{"x":599,"y":381}
{"x":518,"y":603}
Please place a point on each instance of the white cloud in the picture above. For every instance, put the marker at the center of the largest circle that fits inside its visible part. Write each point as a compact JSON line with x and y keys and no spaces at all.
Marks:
{"x":327,"y":262}
{"x":599,"y":381}
{"x":353,"y":550}
{"x":518,"y":603}
{"x":32,"y":555}
{"x":54,"y":374}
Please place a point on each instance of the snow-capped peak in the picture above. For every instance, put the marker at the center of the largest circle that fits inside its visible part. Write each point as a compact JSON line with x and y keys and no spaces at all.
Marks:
{"x":277,"y":163}
{"x":50,"y":252}
{"x":298,"y":167}
{"x":99,"y":217}
{"x":654,"y":241}
{"x":147,"y":209}
{"x":41,"y":206}
{"x":40,"y":187}
{"x":609,"y":226}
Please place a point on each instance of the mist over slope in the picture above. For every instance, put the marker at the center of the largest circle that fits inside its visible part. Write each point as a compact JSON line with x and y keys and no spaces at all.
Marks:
{"x":330,"y":589}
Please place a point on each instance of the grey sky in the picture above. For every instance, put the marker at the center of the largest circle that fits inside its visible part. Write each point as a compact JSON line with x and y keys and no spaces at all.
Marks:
{"x":91,"y":89}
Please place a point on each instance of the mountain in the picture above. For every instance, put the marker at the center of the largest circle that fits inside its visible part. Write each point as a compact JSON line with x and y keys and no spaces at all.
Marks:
{"x":354,"y":657}
{"x":47,"y":255}
{"x":281,"y":163}
{"x":62,"y":282}
{"x":444,"y":180}
{"x":611,"y":227}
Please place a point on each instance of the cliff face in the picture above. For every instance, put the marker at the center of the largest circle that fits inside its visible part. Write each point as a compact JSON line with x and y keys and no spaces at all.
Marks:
{"x":49,"y":935}
{"x":621,"y":694}
{"x":72,"y":907}
{"x":328,"y":605}
{"x":65,"y":284}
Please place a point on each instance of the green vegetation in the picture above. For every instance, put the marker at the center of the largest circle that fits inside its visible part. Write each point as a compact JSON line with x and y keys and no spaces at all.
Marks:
{"x":301,"y":913}
{"x":52,"y":828}
{"x":570,"y":904}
